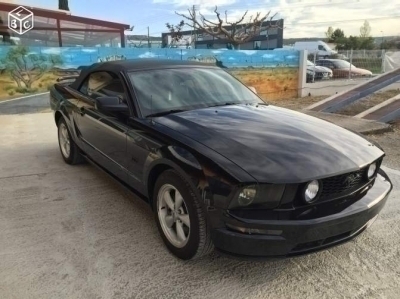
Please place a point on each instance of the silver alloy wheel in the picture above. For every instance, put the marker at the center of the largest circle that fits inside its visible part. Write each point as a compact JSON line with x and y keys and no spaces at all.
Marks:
{"x":63,"y":137}
{"x":173,"y":215}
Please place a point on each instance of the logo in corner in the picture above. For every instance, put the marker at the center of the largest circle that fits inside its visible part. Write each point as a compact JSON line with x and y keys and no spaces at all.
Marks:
{"x":20,"y":20}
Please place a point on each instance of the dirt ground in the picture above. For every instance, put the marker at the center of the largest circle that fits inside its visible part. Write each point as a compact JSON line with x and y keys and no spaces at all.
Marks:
{"x":270,"y":83}
{"x":296,"y":103}
{"x":368,"y":102}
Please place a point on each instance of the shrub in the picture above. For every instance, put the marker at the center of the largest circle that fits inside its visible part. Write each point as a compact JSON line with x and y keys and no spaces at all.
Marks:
{"x":8,"y":87}
{"x":25,"y":90}
{"x":11,"y":92}
{"x":21,"y":90}
{"x":40,"y":85}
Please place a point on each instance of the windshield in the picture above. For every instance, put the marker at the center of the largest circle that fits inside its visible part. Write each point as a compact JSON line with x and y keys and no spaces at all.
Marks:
{"x":342,"y":64}
{"x":309,"y":63}
{"x":172,"y":90}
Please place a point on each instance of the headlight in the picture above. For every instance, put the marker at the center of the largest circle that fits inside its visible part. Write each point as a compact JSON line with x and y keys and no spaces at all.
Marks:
{"x":371,"y":170}
{"x":311,"y":191}
{"x":264,"y":196}
{"x":247,"y":195}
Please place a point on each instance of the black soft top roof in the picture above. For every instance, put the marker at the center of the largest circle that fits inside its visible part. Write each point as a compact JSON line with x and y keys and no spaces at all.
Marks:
{"x":134,"y":64}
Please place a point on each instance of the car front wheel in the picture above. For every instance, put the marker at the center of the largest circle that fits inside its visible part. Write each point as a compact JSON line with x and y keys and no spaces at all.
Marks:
{"x":180,"y":218}
{"x":69,"y":150}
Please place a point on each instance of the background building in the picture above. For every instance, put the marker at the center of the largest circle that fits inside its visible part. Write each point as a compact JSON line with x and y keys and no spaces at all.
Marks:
{"x":267,"y":39}
{"x":58,"y":28}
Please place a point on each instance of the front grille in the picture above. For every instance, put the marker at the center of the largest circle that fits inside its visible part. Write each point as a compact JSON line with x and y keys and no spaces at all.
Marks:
{"x":343,"y":184}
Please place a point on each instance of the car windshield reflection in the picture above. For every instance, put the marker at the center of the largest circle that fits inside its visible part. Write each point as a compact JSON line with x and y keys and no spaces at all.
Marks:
{"x":164,"y":91}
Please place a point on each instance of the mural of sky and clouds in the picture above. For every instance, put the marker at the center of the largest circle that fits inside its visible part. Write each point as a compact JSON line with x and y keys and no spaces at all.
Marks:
{"x":75,"y":57}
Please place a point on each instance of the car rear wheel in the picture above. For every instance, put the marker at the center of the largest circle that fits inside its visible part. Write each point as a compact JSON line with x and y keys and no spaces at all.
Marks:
{"x":69,"y":150}
{"x":180,"y":218}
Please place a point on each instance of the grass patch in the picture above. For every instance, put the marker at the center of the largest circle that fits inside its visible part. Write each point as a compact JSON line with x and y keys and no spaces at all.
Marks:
{"x":271,"y":83}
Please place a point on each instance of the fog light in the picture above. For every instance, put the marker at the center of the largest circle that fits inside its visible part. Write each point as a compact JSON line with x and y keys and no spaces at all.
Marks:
{"x":371,"y":170}
{"x":311,"y":191}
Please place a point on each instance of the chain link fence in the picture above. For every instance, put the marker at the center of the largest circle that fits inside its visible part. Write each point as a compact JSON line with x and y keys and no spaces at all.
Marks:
{"x":349,"y":64}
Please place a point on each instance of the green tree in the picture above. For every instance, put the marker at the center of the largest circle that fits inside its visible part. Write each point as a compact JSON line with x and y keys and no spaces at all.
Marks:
{"x":367,"y":43}
{"x":63,"y":4}
{"x":352,"y":42}
{"x":391,"y":44}
{"x":25,"y":67}
{"x":365,"y":30}
{"x":337,"y":35}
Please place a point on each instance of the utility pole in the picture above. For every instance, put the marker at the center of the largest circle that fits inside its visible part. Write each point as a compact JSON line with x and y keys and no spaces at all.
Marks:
{"x":194,"y":26}
{"x":148,"y":37}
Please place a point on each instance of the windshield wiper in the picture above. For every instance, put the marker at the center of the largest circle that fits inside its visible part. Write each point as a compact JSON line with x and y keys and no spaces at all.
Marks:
{"x":166,"y":112}
{"x":224,"y":104}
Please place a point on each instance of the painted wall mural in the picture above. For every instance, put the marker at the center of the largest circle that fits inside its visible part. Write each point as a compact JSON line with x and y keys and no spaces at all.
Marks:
{"x":273,"y":73}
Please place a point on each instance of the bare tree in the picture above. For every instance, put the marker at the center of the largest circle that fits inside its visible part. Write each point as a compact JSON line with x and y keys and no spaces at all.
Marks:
{"x":329,"y":33}
{"x":27,"y":68}
{"x":176,"y":31}
{"x":236,"y":33}
{"x":365,"y":30}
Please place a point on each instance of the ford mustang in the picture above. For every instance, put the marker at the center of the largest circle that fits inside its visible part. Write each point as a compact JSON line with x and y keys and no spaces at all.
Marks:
{"x":220,"y":167}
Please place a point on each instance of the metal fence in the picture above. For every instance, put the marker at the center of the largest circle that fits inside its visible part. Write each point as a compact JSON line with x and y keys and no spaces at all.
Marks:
{"x":348,"y":64}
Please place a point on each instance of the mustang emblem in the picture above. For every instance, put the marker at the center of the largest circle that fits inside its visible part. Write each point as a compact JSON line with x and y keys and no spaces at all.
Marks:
{"x":351,"y":179}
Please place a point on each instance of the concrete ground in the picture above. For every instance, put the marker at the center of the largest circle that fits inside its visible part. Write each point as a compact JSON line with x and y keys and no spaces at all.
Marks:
{"x":331,"y":87}
{"x":72,"y":232}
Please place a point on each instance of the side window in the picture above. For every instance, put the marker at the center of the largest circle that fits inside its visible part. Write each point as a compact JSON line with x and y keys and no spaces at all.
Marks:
{"x":321,"y":48}
{"x":100,"y":84}
{"x":103,"y":84}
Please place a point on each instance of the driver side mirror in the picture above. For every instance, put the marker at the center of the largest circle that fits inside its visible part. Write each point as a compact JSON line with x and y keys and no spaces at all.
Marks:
{"x":253,"y":89}
{"x":111,"y":104}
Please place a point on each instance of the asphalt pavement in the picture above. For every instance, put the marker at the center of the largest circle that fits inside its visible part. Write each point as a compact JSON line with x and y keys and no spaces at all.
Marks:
{"x":25,"y":104}
{"x":72,"y":232}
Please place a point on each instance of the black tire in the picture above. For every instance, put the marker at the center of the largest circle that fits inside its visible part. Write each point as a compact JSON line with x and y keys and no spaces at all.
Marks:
{"x":74,"y":156}
{"x":199,"y":241}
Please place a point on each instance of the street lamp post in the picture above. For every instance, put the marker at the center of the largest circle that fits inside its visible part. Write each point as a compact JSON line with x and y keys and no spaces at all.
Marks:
{"x":382,"y":40}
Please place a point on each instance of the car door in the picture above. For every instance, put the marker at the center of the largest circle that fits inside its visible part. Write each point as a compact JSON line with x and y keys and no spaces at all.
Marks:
{"x":103,"y":134}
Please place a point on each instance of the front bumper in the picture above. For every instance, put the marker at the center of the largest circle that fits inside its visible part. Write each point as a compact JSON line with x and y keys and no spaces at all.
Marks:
{"x":290,"y":238}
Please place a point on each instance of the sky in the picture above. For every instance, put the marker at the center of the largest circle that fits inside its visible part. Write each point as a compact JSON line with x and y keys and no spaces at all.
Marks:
{"x":302,"y":18}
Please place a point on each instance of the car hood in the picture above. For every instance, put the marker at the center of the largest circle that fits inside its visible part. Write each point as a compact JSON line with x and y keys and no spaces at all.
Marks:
{"x":275,"y":145}
{"x":319,"y":69}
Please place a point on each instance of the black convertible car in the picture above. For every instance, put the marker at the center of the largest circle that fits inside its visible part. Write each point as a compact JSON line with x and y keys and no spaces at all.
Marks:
{"x":220,"y":167}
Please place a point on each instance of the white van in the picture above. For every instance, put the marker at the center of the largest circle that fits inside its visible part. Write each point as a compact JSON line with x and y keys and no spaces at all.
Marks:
{"x":318,"y":47}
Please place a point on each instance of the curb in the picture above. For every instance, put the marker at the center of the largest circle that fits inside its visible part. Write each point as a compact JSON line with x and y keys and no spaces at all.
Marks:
{"x":377,"y":107}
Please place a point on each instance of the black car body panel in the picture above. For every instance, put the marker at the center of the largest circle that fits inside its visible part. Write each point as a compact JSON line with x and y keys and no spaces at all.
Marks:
{"x":267,"y":141}
{"x":280,"y":238}
{"x":219,"y":150}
